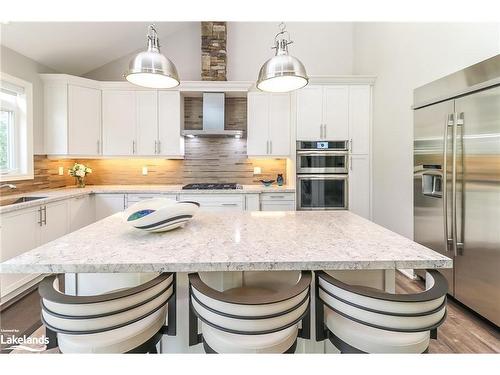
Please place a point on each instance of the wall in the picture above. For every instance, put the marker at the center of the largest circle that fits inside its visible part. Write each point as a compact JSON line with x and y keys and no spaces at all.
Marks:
{"x":404,"y":56}
{"x":324,"y":48}
{"x":182,"y":47}
{"x":24,"y":68}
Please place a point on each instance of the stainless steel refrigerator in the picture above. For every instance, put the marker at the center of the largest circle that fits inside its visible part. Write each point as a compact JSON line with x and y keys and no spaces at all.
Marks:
{"x":457,"y":180}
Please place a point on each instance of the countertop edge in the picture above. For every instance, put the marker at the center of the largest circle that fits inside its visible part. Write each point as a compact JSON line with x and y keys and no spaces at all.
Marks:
{"x":236,"y":266}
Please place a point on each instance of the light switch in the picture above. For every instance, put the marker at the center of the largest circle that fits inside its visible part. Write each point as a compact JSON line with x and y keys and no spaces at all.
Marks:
{"x":61,"y":171}
{"x":144,"y":171}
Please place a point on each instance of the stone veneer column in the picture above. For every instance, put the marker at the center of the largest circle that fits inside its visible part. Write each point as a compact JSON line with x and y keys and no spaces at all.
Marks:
{"x":213,"y":51}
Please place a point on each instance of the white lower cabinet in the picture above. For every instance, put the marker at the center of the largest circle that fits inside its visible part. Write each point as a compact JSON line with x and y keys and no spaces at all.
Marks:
{"x":108,"y":204}
{"x":81,"y":212}
{"x":24,"y":230}
{"x":20,"y":232}
{"x":217,"y":202}
{"x":252,"y":202}
{"x":277,"y":202}
{"x":55,"y":221}
{"x":359,"y":185}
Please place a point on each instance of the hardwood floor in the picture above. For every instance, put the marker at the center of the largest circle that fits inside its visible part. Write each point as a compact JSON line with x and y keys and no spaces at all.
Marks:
{"x":22,"y":317}
{"x":462,"y":332}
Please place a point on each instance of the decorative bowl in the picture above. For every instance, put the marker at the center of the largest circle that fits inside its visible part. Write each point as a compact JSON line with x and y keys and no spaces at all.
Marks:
{"x":160,"y":214}
{"x":267,"y":182}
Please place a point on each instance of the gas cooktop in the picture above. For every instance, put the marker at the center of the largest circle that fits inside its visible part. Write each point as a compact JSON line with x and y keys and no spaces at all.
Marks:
{"x":212,"y":186}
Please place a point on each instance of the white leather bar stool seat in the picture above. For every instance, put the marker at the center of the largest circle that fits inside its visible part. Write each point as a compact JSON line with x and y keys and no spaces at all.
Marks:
{"x":249,"y":319}
{"x":119,"y":340}
{"x":125,"y":320}
{"x":372,"y":340}
{"x":358,"y":319}
{"x":271,"y":343}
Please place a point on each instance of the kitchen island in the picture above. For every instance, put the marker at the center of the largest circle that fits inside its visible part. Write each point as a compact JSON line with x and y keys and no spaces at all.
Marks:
{"x":358,"y":249}
{"x":232,"y":241}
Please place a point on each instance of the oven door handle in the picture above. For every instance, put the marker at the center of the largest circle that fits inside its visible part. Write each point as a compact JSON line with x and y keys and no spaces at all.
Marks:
{"x":329,"y":152}
{"x":322,"y":177}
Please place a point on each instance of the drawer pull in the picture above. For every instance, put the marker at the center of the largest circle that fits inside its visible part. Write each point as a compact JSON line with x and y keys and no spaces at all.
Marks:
{"x":229,"y":204}
{"x":277,"y":196}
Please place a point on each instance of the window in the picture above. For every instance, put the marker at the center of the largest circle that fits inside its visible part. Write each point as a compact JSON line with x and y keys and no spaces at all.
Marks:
{"x":16,"y":143}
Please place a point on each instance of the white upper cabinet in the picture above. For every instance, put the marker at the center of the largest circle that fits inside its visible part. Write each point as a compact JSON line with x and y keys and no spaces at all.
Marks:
{"x":147,"y":122}
{"x":257,"y":124}
{"x":336,"y":112}
{"x":72,"y":117}
{"x":279,"y":124}
{"x":170,"y":123}
{"x":268,"y":117}
{"x":84,"y":119}
{"x":144,"y":123}
{"x":90,"y":118}
{"x":310,"y":113}
{"x":359,"y":118}
{"x":119,"y":118}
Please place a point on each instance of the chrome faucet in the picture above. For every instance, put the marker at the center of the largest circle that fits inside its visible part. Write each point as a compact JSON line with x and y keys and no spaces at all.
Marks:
{"x":10,"y":186}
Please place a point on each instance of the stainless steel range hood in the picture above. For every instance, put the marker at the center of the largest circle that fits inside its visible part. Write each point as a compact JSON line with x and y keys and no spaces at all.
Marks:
{"x":213,"y":118}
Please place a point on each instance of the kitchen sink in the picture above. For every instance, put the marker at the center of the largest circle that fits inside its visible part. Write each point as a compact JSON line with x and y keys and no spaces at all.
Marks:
{"x":6,"y":202}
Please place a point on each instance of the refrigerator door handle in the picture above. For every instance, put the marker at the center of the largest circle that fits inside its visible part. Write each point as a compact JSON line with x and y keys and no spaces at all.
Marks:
{"x":456,"y":245}
{"x":460,"y":234}
{"x":449,"y":122}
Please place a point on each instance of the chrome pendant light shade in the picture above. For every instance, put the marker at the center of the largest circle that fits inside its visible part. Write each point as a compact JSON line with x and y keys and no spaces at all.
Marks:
{"x":151,"y":68}
{"x":282,"y":73}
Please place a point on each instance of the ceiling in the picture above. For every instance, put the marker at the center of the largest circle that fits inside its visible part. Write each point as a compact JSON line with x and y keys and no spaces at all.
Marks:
{"x":79,"y":47}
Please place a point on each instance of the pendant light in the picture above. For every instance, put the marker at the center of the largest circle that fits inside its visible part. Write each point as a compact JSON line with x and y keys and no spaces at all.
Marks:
{"x":282,"y":73}
{"x":150,"y":68}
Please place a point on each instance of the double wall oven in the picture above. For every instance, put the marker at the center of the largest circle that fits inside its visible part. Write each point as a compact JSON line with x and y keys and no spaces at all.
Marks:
{"x":322,"y":175}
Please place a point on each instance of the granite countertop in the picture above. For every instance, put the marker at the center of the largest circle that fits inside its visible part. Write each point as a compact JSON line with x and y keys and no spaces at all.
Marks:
{"x":53,"y":195}
{"x":229,"y":241}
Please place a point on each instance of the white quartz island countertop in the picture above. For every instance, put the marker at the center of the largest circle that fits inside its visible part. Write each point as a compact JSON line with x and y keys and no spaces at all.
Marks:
{"x":301,"y":240}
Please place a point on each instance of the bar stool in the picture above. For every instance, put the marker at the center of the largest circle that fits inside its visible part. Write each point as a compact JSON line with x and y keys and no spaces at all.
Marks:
{"x":254,"y":318}
{"x":130,"y":320}
{"x":357,"y":319}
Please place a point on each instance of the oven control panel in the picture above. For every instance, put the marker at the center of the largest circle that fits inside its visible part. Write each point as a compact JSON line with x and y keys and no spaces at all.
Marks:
{"x":322,"y":145}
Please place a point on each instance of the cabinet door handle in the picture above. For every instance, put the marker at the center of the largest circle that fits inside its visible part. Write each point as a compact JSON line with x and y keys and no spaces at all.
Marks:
{"x":270,"y":147}
{"x":45,"y":215}
{"x":159,"y":147}
{"x":40,"y":216}
{"x":350,"y":144}
{"x":98,"y":147}
{"x":350,"y":163}
{"x":324,"y":131}
{"x":156,"y":147}
{"x":133,"y":147}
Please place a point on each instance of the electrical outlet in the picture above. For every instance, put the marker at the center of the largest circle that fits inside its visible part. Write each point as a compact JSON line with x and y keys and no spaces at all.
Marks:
{"x":144,"y":171}
{"x":61,"y":171}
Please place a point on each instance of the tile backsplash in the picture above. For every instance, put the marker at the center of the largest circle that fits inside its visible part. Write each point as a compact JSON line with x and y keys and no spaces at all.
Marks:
{"x":206,"y":160}
{"x":46,"y":176}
